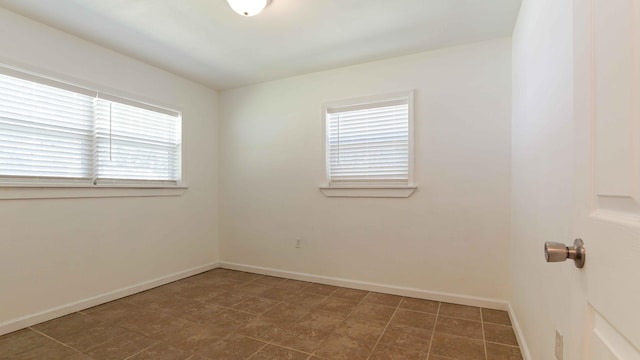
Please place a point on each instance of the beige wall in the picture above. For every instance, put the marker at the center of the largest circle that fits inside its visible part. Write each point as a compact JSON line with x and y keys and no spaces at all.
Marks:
{"x":542,"y":168}
{"x":451,"y":236}
{"x":56,"y":252}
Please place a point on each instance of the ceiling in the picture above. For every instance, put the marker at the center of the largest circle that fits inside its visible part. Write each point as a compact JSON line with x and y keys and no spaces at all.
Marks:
{"x":206,"y":41}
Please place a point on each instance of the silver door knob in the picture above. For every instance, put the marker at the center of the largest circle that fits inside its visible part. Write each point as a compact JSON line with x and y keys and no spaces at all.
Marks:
{"x":557,"y":252}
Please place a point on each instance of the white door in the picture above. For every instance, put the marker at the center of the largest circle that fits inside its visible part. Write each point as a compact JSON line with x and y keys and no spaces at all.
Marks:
{"x":607,"y":217}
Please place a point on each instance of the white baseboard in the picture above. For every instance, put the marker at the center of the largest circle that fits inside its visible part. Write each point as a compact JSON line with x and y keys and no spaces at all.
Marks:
{"x":524,"y":349}
{"x":29,"y":320}
{"x":383,"y":288}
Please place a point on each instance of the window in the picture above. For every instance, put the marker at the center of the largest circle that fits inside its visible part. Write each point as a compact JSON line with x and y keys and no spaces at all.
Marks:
{"x":369,"y":146}
{"x":135,"y":144}
{"x":55,"y":133}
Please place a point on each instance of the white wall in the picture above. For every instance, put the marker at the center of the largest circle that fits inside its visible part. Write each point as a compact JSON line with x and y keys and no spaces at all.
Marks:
{"x":542,"y":170}
{"x":59,"y":251}
{"x":451,"y":236}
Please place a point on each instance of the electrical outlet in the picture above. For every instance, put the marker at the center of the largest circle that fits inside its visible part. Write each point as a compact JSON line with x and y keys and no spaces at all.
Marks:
{"x":559,"y":346}
{"x":298,"y":243}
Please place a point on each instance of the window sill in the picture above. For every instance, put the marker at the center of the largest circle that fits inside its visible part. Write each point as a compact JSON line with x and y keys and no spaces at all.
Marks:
{"x":17,"y":192}
{"x":368,"y":191}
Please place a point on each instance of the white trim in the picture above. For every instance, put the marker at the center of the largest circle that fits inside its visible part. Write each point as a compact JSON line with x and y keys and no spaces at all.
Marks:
{"x":26,"y":191}
{"x":369,"y":286}
{"x":368,"y":191}
{"x":49,"y":314}
{"x":524,"y":349}
{"x":369,"y":99}
{"x":138,"y":104}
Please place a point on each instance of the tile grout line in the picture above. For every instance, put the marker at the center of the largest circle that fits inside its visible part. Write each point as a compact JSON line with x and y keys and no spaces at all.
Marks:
{"x":299,"y":291}
{"x":278,"y":302}
{"x":53,"y":339}
{"x":497,"y":343}
{"x":224,"y":309}
{"x":484,"y":338}
{"x":346,"y":317}
{"x":433,"y":332}
{"x":273,"y":343}
{"x":145,"y":349}
{"x":385,"y":327}
{"x":260,"y":349}
{"x":354,"y":309}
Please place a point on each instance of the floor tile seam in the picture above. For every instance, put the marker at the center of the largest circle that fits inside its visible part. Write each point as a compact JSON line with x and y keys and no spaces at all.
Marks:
{"x":53,"y":339}
{"x":260,"y":349}
{"x":134,"y":332}
{"x":235,"y":332}
{"x":360,"y":303}
{"x":378,"y":304}
{"x":114,"y":324}
{"x":461,"y":336}
{"x":35,"y":347}
{"x":422,"y":312}
{"x":269,"y":288}
{"x":433,"y":331}
{"x":350,"y":312}
{"x":145,"y":349}
{"x":327,"y":339}
{"x":341,"y":322}
{"x":272,"y":342}
{"x":314,"y":293}
{"x":157,"y":340}
{"x":460,"y":318}
{"x":156,"y":312}
{"x":196,"y":354}
{"x":332,"y":292}
{"x":246,"y":312}
{"x":484,"y":336}
{"x":382,"y":333}
{"x":306,"y":286}
{"x":110,"y":304}
{"x":497,"y":343}
{"x":494,"y":324}
{"x":260,"y":276}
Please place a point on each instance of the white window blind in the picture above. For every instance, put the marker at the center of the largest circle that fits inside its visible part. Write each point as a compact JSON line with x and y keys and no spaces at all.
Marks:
{"x":44,"y":131}
{"x":136,"y":144}
{"x":52,"y":132}
{"x":369,"y":143}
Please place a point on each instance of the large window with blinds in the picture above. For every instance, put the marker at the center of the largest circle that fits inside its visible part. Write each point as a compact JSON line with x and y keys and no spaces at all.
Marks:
{"x":56,"y":133}
{"x":369,"y":141}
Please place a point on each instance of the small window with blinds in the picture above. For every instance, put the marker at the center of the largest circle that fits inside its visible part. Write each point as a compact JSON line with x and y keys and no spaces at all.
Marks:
{"x":369,"y":142}
{"x":55,"y":133}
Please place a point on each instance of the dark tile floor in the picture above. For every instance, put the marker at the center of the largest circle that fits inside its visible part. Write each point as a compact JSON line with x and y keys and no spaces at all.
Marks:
{"x":224,"y":314}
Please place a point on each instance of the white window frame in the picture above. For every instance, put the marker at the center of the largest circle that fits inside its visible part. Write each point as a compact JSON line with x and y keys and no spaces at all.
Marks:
{"x":63,"y":189}
{"x":369,"y":190}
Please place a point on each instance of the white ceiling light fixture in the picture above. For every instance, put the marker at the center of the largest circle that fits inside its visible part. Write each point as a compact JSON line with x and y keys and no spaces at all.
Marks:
{"x":248,"y":7}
